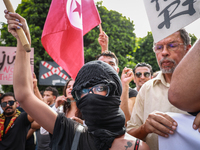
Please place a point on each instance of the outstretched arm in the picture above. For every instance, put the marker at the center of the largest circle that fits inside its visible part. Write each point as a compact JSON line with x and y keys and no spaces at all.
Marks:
{"x":35,"y":88}
{"x":184,"y":91}
{"x":103,"y":41}
{"x":22,"y":78}
{"x":126,"y":78}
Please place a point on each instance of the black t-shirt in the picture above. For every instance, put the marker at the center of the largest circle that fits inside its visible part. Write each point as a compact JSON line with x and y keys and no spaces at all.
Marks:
{"x":63,"y":135}
{"x":132,"y":92}
{"x":15,"y":139}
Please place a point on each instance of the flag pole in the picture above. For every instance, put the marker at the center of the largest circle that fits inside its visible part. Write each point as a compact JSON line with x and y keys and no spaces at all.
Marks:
{"x":100,"y":28}
{"x":20,"y":32}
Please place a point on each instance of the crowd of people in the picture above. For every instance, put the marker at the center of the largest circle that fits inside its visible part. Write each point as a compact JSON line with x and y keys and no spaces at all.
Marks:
{"x":99,"y":110}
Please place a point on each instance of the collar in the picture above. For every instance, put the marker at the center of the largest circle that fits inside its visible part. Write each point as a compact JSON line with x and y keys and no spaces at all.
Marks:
{"x":160,"y":79}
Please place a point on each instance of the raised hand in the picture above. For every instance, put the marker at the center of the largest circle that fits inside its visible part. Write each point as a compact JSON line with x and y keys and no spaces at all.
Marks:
{"x":103,"y":41}
{"x":60,"y":100}
{"x":15,"y":22}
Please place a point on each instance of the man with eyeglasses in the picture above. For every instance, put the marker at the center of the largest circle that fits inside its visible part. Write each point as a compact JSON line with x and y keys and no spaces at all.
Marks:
{"x":142,"y":73}
{"x":148,"y":119}
{"x":14,"y":125}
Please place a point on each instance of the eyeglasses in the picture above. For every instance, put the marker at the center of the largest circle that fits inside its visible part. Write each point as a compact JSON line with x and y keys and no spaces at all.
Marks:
{"x":146,"y":74}
{"x":4,"y":104}
{"x":170,"y":47}
{"x":100,"y":89}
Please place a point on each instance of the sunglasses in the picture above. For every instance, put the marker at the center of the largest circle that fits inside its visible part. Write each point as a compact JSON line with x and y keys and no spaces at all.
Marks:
{"x":100,"y":89}
{"x":146,"y":74}
{"x":4,"y":104}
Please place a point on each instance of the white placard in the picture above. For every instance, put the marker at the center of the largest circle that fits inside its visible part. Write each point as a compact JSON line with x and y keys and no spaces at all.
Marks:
{"x":184,"y":138}
{"x":168,"y":16}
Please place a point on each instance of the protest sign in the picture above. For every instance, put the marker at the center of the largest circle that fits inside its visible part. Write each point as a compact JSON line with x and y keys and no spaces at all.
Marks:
{"x":52,"y":74}
{"x":184,"y":137}
{"x":168,"y":16}
{"x":7,"y":60}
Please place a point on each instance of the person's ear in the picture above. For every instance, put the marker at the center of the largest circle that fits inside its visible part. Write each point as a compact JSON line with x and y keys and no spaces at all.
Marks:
{"x":117,"y":70}
{"x":54,"y":98}
{"x":17,"y":104}
{"x":188,"y":47}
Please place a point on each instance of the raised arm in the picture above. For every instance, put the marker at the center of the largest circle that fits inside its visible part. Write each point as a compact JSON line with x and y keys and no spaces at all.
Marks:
{"x":103,"y":41}
{"x":184,"y":91}
{"x":126,"y":78}
{"x":22,"y":78}
{"x":35,"y":88}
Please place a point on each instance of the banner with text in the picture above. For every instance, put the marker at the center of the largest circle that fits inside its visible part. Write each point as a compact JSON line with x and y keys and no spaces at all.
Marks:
{"x":7,"y":60}
{"x":168,"y":16}
{"x":52,"y":74}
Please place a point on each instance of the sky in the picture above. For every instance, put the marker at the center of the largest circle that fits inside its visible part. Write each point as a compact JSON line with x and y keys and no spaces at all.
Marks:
{"x":133,"y":9}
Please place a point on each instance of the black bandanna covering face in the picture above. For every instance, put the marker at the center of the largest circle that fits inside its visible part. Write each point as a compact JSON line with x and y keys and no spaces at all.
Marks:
{"x":104,"y":118}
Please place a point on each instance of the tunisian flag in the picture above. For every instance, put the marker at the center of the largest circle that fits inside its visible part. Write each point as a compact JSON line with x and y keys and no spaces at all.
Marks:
{"x":62,"y":37}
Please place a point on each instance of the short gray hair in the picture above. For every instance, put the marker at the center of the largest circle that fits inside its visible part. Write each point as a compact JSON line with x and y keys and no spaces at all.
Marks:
{"x":185,"y":37}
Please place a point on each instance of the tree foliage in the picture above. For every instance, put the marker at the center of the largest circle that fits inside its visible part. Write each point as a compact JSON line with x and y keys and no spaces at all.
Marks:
{"x":144,"y":53}
{"x":118,"y":28}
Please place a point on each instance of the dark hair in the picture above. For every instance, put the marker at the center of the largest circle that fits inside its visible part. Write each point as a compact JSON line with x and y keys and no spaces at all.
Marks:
{"x":7,"y":94}
{"x":110,"y":54}
{"x":143,"y":64}
{"x":67,"y":104}
{"x":53,"y":90}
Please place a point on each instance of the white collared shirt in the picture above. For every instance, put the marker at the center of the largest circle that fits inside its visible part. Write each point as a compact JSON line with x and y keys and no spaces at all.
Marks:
{"x":153,"y":96}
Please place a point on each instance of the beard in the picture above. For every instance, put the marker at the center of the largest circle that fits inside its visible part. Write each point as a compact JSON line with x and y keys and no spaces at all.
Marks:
{"x":170,"y":69}
{"x":9,"y":113}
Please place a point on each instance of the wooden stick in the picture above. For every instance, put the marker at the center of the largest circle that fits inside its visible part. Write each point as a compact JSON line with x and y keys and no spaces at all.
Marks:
{"x":100,"y":28}
{"x":20,"y":32}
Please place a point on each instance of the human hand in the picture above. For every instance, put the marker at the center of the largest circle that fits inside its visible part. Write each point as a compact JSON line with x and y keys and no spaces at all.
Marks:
{"x":15,"y":22}
{"x":196,"y":123}
{"x":103,"y":41}
{"x":160,"y":123}
{"x":60,"y":100}
{"x":77,"y":119}
{"x":127,"y":76}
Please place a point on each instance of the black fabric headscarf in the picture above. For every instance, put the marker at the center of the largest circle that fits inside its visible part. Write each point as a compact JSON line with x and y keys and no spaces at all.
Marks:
{"x":104,"y":118}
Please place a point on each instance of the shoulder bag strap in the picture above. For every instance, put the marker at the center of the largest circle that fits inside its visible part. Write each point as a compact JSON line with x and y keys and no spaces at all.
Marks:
{"x":76,"y":137}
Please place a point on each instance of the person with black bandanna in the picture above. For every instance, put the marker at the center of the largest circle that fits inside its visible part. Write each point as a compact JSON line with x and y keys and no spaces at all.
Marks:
{"x":97,"y":90}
